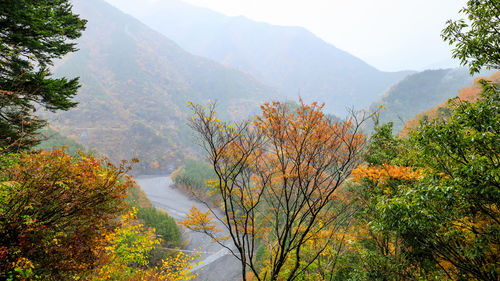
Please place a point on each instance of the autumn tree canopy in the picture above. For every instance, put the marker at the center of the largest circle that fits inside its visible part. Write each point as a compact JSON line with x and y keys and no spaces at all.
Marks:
{"x":276,"y":178}
{"x":125,"y":255}
{"x":55,"y":210}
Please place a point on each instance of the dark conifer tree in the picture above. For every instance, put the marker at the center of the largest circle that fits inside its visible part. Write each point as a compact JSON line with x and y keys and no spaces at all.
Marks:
{"x":32,"y":34}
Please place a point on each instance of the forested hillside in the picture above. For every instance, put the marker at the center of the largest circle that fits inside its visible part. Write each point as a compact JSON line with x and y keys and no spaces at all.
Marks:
{"x":289,"y":58}
{"x":418,"y":92}
{"x":136,"y":85}
{"x":470,"y":94}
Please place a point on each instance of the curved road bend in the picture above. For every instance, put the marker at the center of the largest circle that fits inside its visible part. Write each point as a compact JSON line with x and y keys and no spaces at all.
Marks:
{"x":217,"y":263}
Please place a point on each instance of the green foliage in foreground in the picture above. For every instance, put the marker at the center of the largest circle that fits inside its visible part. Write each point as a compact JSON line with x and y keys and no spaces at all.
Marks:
{"x":452,"y":214}
{"x":379,"y":253}
{"x":442,"y":222}
{"x":477,"y":38}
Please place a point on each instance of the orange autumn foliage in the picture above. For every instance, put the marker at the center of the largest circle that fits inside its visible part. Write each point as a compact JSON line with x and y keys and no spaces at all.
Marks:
{"x":55,"y":209}
{"x":278,"y":175}
{"x":199,"y":221}
{"x":385,"y":172}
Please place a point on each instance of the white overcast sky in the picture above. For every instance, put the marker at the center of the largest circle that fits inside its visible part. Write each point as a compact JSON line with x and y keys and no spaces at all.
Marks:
{"x":388,"y":34}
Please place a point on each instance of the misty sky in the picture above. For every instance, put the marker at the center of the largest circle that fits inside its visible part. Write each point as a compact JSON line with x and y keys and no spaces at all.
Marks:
{"x":388,"y":34}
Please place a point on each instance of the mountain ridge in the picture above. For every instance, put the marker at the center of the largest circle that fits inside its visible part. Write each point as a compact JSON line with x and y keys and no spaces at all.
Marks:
{"x":136,"y":85}
{"x":291,"y":59}
{"x":469,"y":94}
{"x":418,"y":92}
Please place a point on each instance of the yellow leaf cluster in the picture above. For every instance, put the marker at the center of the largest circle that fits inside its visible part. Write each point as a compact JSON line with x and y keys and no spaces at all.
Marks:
{"x":199,"y":221}
{"x":125,"y":256}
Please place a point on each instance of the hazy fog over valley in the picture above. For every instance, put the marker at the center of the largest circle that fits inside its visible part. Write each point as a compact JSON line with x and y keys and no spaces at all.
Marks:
{"x":264,"y":140}
{"x":163,"y":54}
{"x":390,"y":35}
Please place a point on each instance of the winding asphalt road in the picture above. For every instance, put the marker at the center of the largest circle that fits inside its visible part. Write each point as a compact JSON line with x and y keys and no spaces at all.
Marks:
{"x":217,"y":262}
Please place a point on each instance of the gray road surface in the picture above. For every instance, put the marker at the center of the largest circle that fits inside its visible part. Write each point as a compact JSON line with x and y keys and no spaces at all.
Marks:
{"x":217,"y":263}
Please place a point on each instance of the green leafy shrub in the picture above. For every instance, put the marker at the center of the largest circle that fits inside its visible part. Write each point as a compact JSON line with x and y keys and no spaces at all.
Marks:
{"x":193,"y":175}
{"x":166,"y":227}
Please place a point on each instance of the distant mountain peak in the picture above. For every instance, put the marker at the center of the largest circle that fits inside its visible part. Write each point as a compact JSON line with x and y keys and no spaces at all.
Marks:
{"x":289,"y":58}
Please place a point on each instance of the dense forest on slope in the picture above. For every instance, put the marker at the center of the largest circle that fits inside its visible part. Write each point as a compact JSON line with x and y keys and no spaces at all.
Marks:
{"x":136,"y":85}
{"x":291,"y":59}
{"x":470,"y":94}
{"x":418,"y":92}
